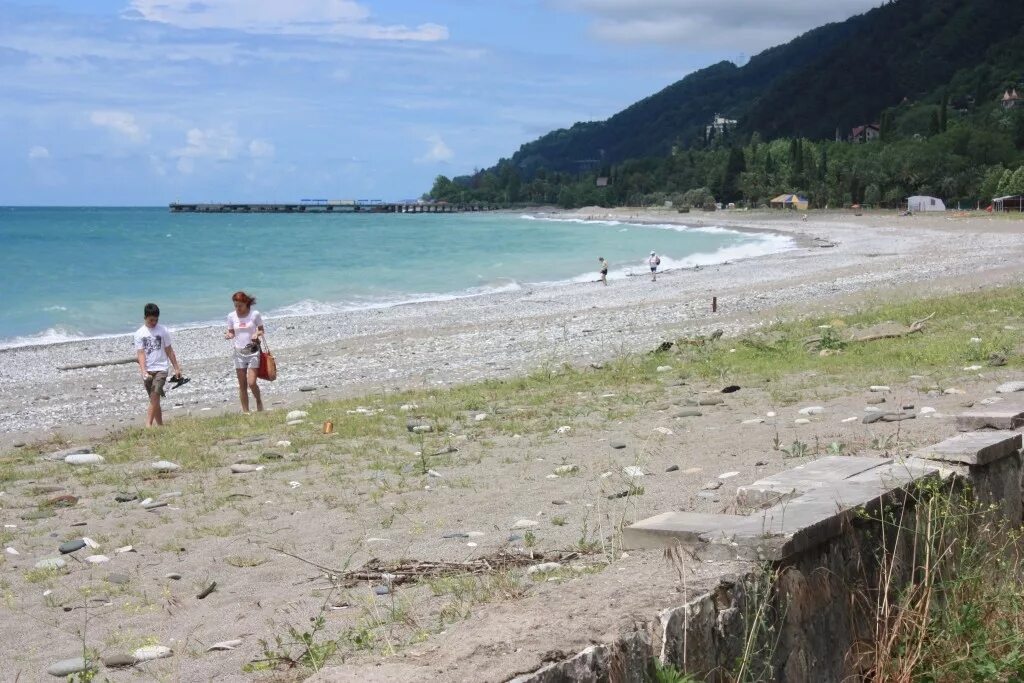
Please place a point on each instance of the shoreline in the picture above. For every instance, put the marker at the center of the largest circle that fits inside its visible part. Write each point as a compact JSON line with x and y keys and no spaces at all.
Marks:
{"x":453,"y":341}
{"x":38,"y":339}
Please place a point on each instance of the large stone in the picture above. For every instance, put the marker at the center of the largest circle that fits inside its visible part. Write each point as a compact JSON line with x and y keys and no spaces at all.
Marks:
{"x":165,"y":466}
{"x":151,"y":652}
{"x":1008,"y":414}
{"x":52,"y":563}
{"x":1010,"y":387}
{"x":84,"y":459}
{"x":792,"y":483}
{"x":705,"y":400}
{"x":119,"y":660}
{"x":71,"y":546}
{"x":296,"y":415}
{"x":68,"y":667}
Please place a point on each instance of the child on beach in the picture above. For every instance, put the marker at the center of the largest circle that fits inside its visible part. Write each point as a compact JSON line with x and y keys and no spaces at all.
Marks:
{"x":654,"y":261}
{"x":245,"y":327}
{"x":153,"y":350}
{"x":604,"y":269}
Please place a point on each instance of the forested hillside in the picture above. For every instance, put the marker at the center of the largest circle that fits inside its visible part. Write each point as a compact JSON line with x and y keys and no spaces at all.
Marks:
{"x":930,"y":72}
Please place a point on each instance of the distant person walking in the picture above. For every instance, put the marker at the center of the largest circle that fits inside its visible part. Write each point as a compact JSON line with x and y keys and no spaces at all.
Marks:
{"x":654,"y":261}
{"x":245,"y":328}
{"x":604,"y":269}
{"x":155,"y":355}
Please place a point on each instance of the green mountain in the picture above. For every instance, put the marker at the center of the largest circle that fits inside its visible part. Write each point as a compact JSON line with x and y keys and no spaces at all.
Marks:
{"x":832,"y":78}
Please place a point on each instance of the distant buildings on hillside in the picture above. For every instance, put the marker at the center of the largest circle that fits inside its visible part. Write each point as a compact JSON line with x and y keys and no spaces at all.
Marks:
{"x":719,"y":124}
{"x":865,"y":133}
{"x":1011,"y":99}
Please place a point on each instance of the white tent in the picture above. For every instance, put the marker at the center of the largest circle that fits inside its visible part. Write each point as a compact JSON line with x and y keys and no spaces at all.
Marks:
{"x":923,"y":203}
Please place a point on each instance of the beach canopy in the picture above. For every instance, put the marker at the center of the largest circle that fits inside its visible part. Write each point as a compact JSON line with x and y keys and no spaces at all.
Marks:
{"x":790,"y":201}
{"x":925,"y":203}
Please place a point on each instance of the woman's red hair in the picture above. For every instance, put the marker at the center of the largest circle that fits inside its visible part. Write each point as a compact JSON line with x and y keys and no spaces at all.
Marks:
{"x":243,"y":297}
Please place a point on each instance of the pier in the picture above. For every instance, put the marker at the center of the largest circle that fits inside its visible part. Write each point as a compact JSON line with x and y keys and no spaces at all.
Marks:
{"x":327,"y":207}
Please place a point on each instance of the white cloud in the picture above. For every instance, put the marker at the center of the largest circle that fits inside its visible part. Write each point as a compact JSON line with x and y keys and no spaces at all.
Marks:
{"x":261,"y":149}
{"x":746,"y":25}
{"x":120,"y":122}
{"x":217,"y":144}
{"x":439,"y":151}
{"x":38,"y":152}
{"x":343,"y":18}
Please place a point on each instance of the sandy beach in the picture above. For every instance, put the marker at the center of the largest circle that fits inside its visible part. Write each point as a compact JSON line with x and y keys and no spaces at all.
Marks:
{"x":268,"y":511}
{"x":837,"y":256}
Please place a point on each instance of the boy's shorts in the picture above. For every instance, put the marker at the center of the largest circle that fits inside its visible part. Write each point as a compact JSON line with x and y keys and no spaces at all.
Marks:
{"x":155,"y":382}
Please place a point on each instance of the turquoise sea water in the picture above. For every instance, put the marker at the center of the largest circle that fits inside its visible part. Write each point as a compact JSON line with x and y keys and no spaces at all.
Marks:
{"x":74,"y":272}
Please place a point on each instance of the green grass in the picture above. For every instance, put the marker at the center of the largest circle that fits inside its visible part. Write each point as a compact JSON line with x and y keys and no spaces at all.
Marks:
{"x":536,"y":404}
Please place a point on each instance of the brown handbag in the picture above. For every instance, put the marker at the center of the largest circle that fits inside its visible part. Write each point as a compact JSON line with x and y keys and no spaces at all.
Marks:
{"x":268,"y":366}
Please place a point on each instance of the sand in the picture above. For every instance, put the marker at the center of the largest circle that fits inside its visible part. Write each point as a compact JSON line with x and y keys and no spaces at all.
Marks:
{"x":230,"y":528}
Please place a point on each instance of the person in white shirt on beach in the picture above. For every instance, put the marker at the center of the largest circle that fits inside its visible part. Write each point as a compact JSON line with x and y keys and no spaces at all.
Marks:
{"x":654,"y":261}
{"x":245,"y":328}
{"x":155,"y":355}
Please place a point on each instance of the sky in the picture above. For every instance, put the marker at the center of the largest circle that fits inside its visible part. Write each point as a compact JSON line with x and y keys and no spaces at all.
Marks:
{"x":145,"y":102}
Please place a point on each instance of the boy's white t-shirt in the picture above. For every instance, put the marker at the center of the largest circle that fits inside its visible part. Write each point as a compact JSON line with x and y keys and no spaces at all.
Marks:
{"x":244,"y":327}
{"x":154,"y":341}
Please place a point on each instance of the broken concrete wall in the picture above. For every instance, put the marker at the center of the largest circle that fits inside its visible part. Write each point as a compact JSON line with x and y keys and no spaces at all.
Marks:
{"x":806,"y":608}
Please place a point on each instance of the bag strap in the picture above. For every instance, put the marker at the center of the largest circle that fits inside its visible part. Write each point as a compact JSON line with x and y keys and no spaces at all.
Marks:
{"x":263,"y":344}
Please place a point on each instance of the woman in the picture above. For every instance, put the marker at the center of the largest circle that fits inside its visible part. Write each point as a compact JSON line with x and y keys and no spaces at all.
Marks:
{"x":604,"y":269}
{"x":245,"y":328}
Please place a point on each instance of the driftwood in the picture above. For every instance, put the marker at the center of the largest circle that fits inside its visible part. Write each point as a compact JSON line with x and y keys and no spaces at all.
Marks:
{"x":876,"y":332}
{"x":412,"y":571}
{"x":99,"y":364}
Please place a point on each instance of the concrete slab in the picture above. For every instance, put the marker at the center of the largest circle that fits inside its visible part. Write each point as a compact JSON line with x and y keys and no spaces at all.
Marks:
{"x":974,"y":448}
{"x":673,"y":528}
{"x":1007,"y":414}
{"x":809,"y":476}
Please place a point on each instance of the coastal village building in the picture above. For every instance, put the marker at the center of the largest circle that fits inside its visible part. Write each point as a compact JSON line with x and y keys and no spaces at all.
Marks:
{"x":790,"y":201}
{"x":719,"y":124}
{"x":865,"y":133}
{"x":1011,"y":99}
{"x":1013,"y":202}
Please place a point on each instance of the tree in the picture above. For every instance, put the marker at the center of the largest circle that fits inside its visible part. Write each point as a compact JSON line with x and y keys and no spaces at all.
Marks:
{"x":943,"y":107}
{"x":934,"y":125}
{"x":734,"y":166}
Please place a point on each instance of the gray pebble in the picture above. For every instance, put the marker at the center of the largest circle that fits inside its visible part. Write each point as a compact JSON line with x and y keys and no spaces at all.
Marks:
{"x":307,"y":388}
{"x":67,"y":667}
{"x":125,"y":497}
{"x":71,"y":546}
{"x":687,"y":412}
{"x":617,"y":445}
{"x":672,"y":468}
{"x":120,"y":660}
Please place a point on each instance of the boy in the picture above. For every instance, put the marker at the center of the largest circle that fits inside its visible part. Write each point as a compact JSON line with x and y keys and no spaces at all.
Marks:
{"x":153,"y":349}
{"x":604,"y":269}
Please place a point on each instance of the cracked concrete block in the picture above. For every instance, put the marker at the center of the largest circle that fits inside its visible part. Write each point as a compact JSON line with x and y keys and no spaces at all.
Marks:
{"x":673,"y":528}
{"x":792,"y":483}
{"x":1007,"y":414}
{"x":973,"y":448}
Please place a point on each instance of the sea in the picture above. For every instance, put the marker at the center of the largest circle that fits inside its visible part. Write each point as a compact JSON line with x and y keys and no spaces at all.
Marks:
{"x":74,"y":273}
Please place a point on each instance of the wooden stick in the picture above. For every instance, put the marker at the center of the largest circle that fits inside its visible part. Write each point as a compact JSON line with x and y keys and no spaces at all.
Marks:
{"x":100,"y":364}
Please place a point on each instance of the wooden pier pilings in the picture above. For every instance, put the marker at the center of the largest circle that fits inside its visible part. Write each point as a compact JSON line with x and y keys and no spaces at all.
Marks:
{"x":382,"y":207}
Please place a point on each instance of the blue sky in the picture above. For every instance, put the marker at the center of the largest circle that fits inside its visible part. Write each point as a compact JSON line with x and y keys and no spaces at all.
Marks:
{"x":143,"y":102}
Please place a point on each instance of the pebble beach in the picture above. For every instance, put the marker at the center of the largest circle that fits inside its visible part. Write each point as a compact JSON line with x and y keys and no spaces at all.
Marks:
{"x":838,"y":257}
